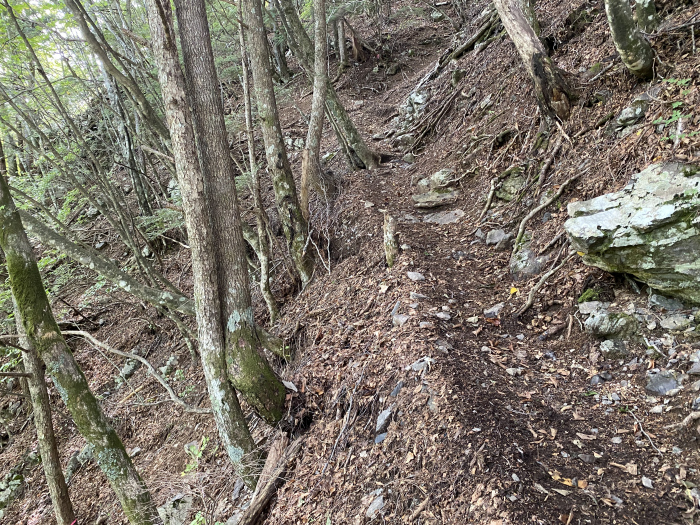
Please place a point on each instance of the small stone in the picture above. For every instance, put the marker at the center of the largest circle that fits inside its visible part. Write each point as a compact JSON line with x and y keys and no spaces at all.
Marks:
{"x":590,"y":307}
{"x":514,"y":371}
{"x":437,"y":16}
{"x":400,"y":319}
{"x":492,"y":313}
{"x":369,"y":204}
{"x":597,"y":379}
{"x":615,"y":397}
{"x":658,"y":409}
{"x":444,"y":217}
{"x":662,"y":383}
{"x":613,"y":349}
{"x":515,"y":477}
{"x":616,"y":440}
{"x":290,"y":386}
{"x":383,"y":420}
{"x":647,"y":482}
{"x":100,"y":245}
{"x":435,"y":198}
{"x":421,"y":364}
{"x":443,"y":315}
{"x":381,"y":437}
{"x":695,"y":387}
{"x":520,"y":337}
{"x":696,"y":404}
{"x":676,"y":322}
{"x":415,"y":276}
{"x":375,"y":507}
{"x":425,"y":325}
{"x":495,"y":236}
{"x":665,"y":303}
{"x":416,"y":295}
{"x":405,"y":247}
{"x":409,"y":158}
{"x":479,"y":234}
{"x":587,"y":458}
{"x":397,"y":389}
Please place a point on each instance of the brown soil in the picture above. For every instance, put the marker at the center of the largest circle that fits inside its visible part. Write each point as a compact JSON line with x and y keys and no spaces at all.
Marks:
{"x":498,"y":429}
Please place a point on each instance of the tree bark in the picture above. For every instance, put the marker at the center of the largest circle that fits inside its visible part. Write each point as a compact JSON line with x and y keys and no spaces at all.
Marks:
{"x":311,"y":156}
{"x":43,"y":332}
{"x":552,"y":92}
{"x":635,"y":51}
{"x":230,"y":422}
{"x":293,"y":223}
{"x":263,"y":246}
{"x":248,"y":369}
{"x":50,"y":460}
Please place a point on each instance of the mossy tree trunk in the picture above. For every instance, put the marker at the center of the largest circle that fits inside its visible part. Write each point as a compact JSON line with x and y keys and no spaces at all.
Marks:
{"x":42,"y":331}
{"x":248,"y":369}
{"x":293,"y":223}
{"x":230,"y":422}
{"x":635,"y":51}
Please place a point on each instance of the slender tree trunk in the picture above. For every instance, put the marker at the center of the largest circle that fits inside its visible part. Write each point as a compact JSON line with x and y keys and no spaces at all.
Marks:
{"x":293,"y":223}
{"x":58,"y":489}
{"x":342,"y":50}
{"x":106,"y":268}
{"x":311,"y":156}
{"x":43,"y":332}
{"x":248,"y":370}
{"x":528,"y":7}
{"x":552,"y":92}
{"x":264,"y":249}
{"x":635,"y":51}
{"x":360,"y":155}
{"x":232,"y":426}
{"x":645,"y":15}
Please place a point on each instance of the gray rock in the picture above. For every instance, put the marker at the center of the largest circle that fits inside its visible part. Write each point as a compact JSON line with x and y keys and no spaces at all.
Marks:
{"x":696,"y":404}
{"x":381,"y":437}
{"x":495,"y":236}
{"x":416,"y":295}
{"x":443,"y":315}
{"x":444,"y":217}
{"x":375,"y":507}
{"x":400,"y":319}
{"x":421,"y":364}
{"x":409,"y":158}
{"x":404,"y":141}
{"x":612,"y":325}
{"x":425,"y":325}
{"x":393,"y":68}
{"x":175,"y":511}
{"x":435,"y":198}
{"x":456,"y":76}
{"x":437,"y":16}
{"x":613,"y":349}
{"x":397,"y":389}
{"x":658,"y":409}
{"x":525,"y":263}
{"x":666,"y":303}
{"x":440,"y":179}
{"x":479,"y":234}
{"x":383,"y":420}
{"x":650,"y":229}
{"x":676,"y":322}
{"x":514,"y":371}
{"x":492,"y":313}
{"x":662,"y":382}
{"x":415,"y":276}
{"x":694,"y":370}
{"x":590,"y":307}
{"x":512,"y":185}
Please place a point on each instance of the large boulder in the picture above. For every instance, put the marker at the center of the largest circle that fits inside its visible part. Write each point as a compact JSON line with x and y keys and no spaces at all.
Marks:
{"x":649,"y":229}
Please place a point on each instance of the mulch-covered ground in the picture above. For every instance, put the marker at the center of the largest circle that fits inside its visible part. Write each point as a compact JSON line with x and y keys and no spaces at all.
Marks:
{"x":491,"y":420}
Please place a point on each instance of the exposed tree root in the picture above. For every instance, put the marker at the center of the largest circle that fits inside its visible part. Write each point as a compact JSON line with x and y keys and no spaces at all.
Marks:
{"x":531,"y":296}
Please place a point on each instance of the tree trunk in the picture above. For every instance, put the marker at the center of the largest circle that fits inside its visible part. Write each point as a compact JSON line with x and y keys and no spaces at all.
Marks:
{"x":230,"y":422}
{"x":528,"y":7}
{"x":58,"y":489}
{"x":43,"y":332}
{"x":293,"y":223}
{"x":645,"y":15}
{"x":361,"y":156}
{"x":106,"y":268}
{"x":552,"y":92}
{"x":635,"y":51}
{"x":100,"y":48}
{"x":311,"y":156}
{"x":248,"y":370}
{"x":263,"y":249}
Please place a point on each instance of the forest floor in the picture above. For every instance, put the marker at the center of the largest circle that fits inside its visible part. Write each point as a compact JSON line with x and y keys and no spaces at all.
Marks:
{"x":490,"y":420}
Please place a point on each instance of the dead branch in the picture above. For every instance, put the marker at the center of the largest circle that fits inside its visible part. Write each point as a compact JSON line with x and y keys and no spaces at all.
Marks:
{"x":15,"y":374}
{"x":420,"y":509}
{"x":489,"y":199}
{"x":548,"y":164}
{"x":173,"y":396}
{"x":264,"y":495}
{"x":523,"y":223}
{"x":693,"y":416}
{"x":535,"y":289}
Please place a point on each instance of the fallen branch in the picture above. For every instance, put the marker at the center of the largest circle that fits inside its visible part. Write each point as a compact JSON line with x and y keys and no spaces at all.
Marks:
{"x":641,"y":429}
{"x":420,"y":509}
{"x":523,"y":223}
{"x":15,"y":374}
{"x":548,"y":164}
{"x":693,"y":416}
{"x":535,"y":289}
{"x":489,"y":199}
{"x":264,"y":495}
{"x":551,"y":243}
{"x":173,"y":396}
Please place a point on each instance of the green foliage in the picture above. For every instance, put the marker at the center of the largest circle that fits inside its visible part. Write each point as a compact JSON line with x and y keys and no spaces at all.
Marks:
{"x":162,"y":221}
{"x":589,"y":295}
{"x":195,"y":453}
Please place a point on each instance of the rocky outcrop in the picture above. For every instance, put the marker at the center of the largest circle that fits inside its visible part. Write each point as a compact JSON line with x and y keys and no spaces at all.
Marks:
{"x":649,"y":229}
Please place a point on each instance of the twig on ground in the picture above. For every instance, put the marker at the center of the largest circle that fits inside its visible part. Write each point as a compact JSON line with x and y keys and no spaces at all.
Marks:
{"x":531,"y":296}
{"x":551,"y":243}
{"x":420,"y":509}
{"x":693,"y":416}
{"x":548,"y":164}
{"x":173,"y":396}
{"x":644,"y":432}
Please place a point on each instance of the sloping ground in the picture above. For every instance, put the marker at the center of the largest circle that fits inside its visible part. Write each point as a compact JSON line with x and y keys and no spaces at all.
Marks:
{"x":492,"y":423}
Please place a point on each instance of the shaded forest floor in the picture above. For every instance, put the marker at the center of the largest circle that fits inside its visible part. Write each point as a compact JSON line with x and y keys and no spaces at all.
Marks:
{"x":492,"y":421}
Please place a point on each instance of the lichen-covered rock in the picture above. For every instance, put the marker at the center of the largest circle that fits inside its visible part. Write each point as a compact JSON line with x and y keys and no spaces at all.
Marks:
{"x":609,"y":324}
{"x":649,"y":229}
{"x":440,"y":179}
{"x":435,"y":198}
{"x":524,"y":263}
